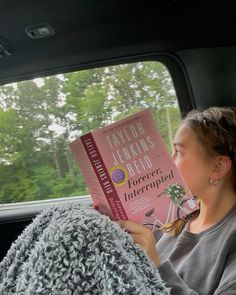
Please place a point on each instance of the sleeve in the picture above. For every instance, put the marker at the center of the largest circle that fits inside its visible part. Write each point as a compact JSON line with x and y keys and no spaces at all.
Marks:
{"x":173,"y":280}
{"x":227,"y":284}
{"x":157,"y":235}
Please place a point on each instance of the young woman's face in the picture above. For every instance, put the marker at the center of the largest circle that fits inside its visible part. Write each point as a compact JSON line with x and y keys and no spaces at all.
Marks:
{"x":191,"y":160}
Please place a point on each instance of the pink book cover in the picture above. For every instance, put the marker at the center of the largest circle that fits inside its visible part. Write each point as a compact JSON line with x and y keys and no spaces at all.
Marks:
{"x":130,"y":174}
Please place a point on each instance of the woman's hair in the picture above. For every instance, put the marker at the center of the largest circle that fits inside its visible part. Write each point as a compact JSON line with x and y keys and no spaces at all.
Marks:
{"x":215,"y":129}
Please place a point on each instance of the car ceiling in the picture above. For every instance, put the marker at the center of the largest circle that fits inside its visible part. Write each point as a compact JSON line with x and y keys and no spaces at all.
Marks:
{"x":96,"y":32}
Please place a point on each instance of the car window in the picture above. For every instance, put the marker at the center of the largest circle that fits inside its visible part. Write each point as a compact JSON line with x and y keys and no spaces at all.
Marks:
{"x":39,"y":117}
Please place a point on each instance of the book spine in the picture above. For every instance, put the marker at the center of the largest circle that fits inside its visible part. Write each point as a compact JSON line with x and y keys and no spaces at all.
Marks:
{"x":103,"y":177}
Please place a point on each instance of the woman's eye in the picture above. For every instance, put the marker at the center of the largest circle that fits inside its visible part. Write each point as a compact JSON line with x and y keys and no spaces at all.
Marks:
{"x":175,"y":153}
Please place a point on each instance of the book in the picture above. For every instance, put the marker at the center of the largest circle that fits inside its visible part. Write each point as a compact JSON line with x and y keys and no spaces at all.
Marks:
{"x":130,"y":173}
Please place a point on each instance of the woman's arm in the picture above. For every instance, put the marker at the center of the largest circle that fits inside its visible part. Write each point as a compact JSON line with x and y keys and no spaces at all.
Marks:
{"x":226,"y":282}
{"x":144,"y":237}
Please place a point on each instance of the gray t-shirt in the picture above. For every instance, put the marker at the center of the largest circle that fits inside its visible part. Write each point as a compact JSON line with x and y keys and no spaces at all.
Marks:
{"x":203,"y":263}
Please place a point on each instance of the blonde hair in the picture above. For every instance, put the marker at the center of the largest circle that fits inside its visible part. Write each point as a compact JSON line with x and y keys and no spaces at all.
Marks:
{"x":215,"y":129}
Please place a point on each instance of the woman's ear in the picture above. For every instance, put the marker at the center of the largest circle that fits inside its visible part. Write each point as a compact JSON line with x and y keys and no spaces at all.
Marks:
{"x":222,"y":166}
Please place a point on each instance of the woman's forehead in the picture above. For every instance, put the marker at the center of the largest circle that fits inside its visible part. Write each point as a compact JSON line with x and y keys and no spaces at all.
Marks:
{"x":187,"y":138}
{"x":184,"y":134}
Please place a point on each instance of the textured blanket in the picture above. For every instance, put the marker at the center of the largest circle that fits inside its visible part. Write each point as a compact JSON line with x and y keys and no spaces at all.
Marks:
{"x":72,"y":249}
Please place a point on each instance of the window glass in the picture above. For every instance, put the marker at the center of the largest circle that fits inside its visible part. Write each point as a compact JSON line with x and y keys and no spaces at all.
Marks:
{"x":38,"y":119}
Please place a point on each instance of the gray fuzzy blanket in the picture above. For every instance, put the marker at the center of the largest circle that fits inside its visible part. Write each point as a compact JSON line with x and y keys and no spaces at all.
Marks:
{"x":72,"y":249}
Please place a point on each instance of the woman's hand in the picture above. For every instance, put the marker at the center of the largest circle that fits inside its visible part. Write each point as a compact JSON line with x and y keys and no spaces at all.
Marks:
{"x":143,"y":237}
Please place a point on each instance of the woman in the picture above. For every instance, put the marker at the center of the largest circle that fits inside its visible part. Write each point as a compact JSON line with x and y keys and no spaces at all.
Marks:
{"x":198,"y":255}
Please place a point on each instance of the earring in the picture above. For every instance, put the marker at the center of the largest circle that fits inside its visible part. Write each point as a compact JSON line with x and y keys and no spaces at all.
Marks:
{"x":213,"y":182}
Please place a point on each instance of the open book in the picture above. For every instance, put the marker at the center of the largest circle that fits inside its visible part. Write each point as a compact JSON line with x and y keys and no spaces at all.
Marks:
{"x":130,"y":174}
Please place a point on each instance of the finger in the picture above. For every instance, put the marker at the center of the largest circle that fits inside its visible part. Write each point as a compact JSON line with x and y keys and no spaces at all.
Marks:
{"x":132,"y":227}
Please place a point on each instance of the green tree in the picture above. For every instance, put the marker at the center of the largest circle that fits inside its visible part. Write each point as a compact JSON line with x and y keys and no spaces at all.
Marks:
{"x":38,"y":120}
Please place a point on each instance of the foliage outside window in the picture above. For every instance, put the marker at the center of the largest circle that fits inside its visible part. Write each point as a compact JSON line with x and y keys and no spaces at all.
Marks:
{"x":38,"y":119}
